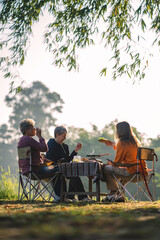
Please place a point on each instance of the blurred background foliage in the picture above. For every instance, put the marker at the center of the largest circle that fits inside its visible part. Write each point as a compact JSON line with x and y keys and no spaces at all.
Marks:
{"x":42,"y":107}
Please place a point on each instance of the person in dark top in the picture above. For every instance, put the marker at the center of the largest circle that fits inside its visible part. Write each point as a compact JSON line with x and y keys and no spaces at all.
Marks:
{"x":58,"y":151}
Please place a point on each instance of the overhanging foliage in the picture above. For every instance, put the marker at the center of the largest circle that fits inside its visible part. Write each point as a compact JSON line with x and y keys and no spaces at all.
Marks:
{"x":76,"y":25}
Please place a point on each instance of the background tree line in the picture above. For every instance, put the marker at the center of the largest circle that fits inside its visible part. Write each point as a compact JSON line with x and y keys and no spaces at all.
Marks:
{"x":37,"y":102}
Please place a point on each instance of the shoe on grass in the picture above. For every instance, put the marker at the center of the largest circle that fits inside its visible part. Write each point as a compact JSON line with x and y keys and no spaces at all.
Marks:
{"x":75,"y":200}
{"x":120,"y":198}
{"x":87,"y":199}
{"x":109,"y":198}
{"x":67,"y":199}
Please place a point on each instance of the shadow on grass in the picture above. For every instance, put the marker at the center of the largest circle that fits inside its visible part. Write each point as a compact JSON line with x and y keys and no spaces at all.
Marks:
{"x":24,"y":220}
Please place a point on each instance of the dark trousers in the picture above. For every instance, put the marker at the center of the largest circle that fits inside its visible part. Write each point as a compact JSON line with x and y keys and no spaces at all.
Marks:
{"x":75,"y":185}
{"x":46,"y":172}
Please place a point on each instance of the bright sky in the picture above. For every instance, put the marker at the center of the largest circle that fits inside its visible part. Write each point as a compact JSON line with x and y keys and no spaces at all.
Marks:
{"x":88,"y":97}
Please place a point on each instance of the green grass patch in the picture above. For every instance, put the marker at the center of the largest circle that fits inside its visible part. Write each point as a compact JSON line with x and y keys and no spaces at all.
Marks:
{"x":79,"y":220}
{"x":8,"y":185}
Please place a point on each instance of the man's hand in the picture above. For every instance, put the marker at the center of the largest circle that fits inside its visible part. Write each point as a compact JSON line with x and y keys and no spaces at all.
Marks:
{"x":78,"y":147}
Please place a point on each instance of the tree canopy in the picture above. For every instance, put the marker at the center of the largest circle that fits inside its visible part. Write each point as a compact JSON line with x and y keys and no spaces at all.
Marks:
{"x":76,"y":24}
{"x":36,"y":102}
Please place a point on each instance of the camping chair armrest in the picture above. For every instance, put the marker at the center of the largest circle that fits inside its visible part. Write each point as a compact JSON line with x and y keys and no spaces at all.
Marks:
{"x":45,"y":164}
{"x":117,"y":164}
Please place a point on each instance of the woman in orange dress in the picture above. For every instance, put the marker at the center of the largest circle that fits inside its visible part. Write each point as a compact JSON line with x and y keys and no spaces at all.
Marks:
{"x":126,"y":152}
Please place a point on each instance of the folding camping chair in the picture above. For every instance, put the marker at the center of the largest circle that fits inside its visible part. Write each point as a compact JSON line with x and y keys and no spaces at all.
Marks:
{"x":30,"y":186}
{"x":145,"y":184}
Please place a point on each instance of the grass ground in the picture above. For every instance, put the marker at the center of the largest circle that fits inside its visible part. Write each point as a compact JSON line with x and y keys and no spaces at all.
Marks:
{"x":91,"y":221}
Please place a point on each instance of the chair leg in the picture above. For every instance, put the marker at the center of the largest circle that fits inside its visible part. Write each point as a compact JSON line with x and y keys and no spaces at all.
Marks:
{"x":19,"y":186}
{"x":62,"y":187}
{"x":33,"y":189}
{"x":154,"y":195}
{"x":45,"y":187}
{"x":23,"y":186}
{"x":124,"y":188}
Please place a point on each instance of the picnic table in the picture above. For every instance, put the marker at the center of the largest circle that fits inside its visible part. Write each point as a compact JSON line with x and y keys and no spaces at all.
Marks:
{"x":89,"y":169}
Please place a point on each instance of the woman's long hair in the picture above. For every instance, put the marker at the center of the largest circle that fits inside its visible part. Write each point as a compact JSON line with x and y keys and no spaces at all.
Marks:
{"x":125,"y":134}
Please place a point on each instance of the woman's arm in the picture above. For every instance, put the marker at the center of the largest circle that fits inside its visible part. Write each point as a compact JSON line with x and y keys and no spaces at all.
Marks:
{"x":40,"y":146}
{"x":107,"y":142}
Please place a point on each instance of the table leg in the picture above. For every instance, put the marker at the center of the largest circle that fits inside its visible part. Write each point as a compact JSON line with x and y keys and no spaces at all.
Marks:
{"x":62,"y":187}
{"x":90,"y":185}
{"x":98,"y":190}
